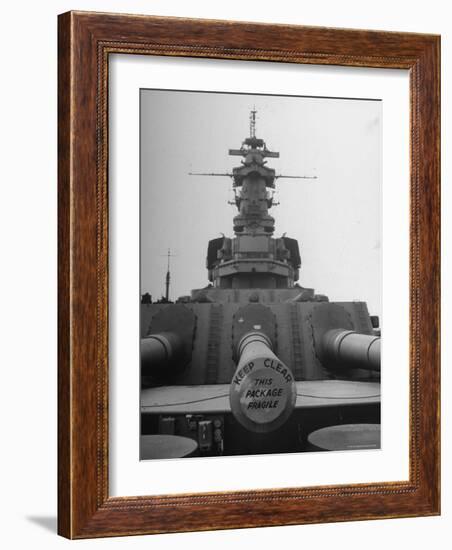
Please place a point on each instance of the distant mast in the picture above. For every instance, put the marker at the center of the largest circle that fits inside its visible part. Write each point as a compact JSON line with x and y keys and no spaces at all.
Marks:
{"x":168,"y":276}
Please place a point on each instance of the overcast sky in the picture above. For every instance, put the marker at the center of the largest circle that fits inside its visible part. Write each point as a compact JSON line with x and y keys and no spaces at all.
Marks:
{"x":335,"y":218}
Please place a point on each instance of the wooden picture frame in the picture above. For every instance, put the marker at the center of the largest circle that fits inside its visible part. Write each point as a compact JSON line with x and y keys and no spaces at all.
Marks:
{"x":85,"y":42}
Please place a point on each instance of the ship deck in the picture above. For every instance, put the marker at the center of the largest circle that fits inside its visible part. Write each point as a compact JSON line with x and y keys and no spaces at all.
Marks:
{"x":215,"y":398}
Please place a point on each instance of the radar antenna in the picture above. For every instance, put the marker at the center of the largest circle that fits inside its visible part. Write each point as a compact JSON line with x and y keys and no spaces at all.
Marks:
{"x":253,"y":169}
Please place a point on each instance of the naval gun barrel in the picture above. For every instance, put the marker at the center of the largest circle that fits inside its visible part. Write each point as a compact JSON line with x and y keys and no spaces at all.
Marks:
{"x":346,"y":348}
{"x":253,"y":345}
{"x":263,"y":391}
{"x":160,"y":352}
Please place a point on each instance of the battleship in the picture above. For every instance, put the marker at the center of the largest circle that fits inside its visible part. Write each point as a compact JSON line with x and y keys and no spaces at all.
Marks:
{"x":254,"y":362}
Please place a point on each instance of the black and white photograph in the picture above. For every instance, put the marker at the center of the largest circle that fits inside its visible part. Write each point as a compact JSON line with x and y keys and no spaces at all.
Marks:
{"x":260,"y":273}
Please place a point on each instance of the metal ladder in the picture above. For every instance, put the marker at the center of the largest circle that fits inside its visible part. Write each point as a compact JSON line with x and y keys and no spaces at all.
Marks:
{"x":213,"y":343}
{"x":297,"y":343}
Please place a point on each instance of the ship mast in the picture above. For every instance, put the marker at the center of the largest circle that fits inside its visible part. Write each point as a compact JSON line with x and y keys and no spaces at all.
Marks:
{"x":253,"y":122}
{"x":168,"y":274}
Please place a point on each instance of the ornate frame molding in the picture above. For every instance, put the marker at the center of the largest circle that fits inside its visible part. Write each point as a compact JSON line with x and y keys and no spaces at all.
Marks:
{"x":85,"y":42}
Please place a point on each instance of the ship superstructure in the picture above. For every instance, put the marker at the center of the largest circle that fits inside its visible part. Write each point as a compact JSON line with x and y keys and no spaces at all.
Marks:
{"x":254,"y":258}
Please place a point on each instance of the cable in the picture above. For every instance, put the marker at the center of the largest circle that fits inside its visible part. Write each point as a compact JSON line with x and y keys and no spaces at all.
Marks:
{"x":185,"y":402}
{"x":341,"y":397}
{"x":227,"y":395}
